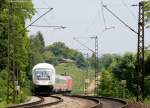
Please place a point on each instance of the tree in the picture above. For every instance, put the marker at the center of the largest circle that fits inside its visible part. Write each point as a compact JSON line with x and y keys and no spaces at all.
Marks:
{"x":147,"y":13}
{"x":39,"y":36}
{"x":106,"y":60}
{"x":18,"y":37}
{"x":18,"y":34}
{"x":35,"y":50}
{"x":147,"y":61}
{"x":49,"y":57}
{"x":60,"y":50}
{"x":109,"y":86}
{"x":125,"y":70}
{"x":92,"y":60}
{"x":147,"y":86}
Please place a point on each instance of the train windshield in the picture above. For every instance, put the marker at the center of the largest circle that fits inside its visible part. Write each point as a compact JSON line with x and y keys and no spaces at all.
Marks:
{"x":42,"y":74}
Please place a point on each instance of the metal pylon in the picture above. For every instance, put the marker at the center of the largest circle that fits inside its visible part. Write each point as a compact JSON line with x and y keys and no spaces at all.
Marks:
{"x":87,"y":75}
{"x":97,"y":81}
{"x":140,"y":54}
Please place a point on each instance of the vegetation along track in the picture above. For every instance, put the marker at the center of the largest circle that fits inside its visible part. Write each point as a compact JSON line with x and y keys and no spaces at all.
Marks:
{"x":104,"y":102}
{"x":39,"y":104}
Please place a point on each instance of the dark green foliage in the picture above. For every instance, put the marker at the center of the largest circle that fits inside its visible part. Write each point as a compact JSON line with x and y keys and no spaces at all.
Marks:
{"x":147,"y":61}
{"x":107,"y":87}
{"x":117,"y":68}
{"x":59,"y":50}
{"x":125,"y":69}
{"x":92,"y":61}
{"x":40,"y":39}
{"x":147,"y":13}
{"x":18,"y":40}
{"x":37,"y":53}
{"x":110,"y":86}
{"x":120,"y":68}
{"x":35,"y":49}
{"x":80,"y":60}
{"x":147,"y":86}
{"x":107,"y":59}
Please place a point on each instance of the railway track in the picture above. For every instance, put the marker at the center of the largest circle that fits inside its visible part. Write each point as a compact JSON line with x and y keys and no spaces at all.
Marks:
{"x":98,"y":102}
{"x":39,"y":104}
{"x":104,"y":102}
{"x":112,"y":102}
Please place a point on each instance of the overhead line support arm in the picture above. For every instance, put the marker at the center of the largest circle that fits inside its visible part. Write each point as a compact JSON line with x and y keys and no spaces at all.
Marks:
{"x":39,"y":17}
{"x":84,"y":45}
{"x":119,"y":19}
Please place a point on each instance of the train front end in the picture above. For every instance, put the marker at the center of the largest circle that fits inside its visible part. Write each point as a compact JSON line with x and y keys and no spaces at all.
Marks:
{"x":43,"y":77}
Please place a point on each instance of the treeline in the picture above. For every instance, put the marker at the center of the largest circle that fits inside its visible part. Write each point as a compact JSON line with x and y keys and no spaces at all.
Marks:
{"x":119,"y":75}
{"x":52,"y":54}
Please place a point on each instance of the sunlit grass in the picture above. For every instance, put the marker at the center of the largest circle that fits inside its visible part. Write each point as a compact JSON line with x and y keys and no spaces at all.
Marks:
{"x":2,"y":104}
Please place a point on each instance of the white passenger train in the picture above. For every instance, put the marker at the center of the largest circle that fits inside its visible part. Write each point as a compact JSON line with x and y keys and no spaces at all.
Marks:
{"x":45,"y":79}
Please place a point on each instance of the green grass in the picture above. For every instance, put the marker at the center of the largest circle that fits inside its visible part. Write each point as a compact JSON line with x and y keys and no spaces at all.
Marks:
{"x":147,"y":101}
{"x":18,"y":98}
{"x":77,"y":74}
{"x":3,"y":104}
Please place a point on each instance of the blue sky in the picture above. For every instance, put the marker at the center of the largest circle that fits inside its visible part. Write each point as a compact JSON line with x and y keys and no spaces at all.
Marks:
{"x":83,"y":19}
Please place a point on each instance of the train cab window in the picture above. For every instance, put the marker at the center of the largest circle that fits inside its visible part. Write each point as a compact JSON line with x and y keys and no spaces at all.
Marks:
{"x":42,"y":74}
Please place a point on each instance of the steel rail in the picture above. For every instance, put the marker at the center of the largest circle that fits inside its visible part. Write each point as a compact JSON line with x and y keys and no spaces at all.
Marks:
{"x":27,"y":104}
{"x":38,"y":105}
{"x":125,"y":104}
{"x":97,"y":99}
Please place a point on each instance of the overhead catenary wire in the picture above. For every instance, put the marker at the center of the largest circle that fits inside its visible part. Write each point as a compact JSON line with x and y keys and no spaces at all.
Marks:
{"x":48,"y":24}
{"x":35,"y":20}
{"x":46,"y":6}
{"x":84,"y":45}
{"x":63,"y":27}
{"x":123,"y":2}
{"x":44,"y":19}
{"x":120,"y":19}
{"x":104,"y":19}
{"x":103,"y":16}
{"x":41,"y":8}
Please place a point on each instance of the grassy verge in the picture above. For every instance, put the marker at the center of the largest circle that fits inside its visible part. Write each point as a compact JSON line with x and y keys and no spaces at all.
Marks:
{"x":2,"y":104}
{"x":23,"y":96}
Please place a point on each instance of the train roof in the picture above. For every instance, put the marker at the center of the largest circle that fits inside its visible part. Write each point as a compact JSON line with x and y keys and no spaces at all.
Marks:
{"x":44,"y":65}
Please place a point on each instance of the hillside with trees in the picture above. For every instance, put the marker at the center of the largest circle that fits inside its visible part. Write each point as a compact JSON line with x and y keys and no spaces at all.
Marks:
{"x":76,"y":66}
{"x":115,"y":68}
